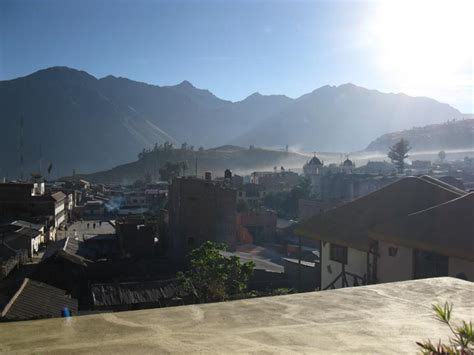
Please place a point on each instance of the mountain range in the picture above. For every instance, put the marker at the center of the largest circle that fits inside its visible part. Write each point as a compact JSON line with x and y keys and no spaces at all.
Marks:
{"x":75,"y":121}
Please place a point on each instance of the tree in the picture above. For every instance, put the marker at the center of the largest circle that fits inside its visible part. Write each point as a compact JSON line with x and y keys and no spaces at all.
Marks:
{"x":463,"y":341}
{"x":286,"y":202}
{"x":167,"y":146}
{"x":398,"y":154}
{"x":142,"y":154}
{"x":442,"y":155}
{"x":213,"y":277}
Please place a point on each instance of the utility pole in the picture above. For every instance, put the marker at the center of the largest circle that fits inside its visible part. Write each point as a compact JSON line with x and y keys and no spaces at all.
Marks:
{"x":20,"y":146}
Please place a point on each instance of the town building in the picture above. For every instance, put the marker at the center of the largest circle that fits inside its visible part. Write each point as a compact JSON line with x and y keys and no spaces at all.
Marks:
{"x":314,"y":170}
{"x":251,"y":194}
{"x":348,"y":256}
{"x":138,"y":236}
{"x":302,"y":275}
{"x":345,"y":182}
{"x":28,"y":201}
{"x":23,"y":238}
{"x":257,"y":226}
{"x":37,"y":300}
{"x":90,"y":209}
{"x":344,"y":186}
{"x":274,"y":181}
{"x":437,"y":241}
{"x":10,"y":259}
{"x":200,"y":210}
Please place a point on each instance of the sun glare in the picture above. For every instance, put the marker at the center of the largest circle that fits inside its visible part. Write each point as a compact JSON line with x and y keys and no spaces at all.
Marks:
{"x":427,"y":43}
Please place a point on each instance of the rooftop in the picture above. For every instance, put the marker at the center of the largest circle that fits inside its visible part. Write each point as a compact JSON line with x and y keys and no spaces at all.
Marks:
{"x":37,"y":300}
{"x":58,"y":196}
{"x":446,"y":229}
{"x":384,"y":318}
{"x":27,"y":224}
{"x":350,"y":224}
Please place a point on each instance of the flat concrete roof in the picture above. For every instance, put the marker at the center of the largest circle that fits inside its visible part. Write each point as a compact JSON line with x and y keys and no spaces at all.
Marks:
{"x":385,"y":318}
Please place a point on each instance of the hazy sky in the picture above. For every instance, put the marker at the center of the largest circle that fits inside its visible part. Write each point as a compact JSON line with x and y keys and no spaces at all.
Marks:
{"x":235,"y":48}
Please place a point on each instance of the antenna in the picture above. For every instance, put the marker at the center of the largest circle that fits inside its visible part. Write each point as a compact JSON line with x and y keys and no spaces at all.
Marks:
{"x":41,"y":159}
{"x":20,"y":146}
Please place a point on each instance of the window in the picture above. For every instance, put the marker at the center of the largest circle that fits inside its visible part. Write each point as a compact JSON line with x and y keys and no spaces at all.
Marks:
{"x":392,"y":251}
{"x":338,"y":253}
{"x":428,"y":264}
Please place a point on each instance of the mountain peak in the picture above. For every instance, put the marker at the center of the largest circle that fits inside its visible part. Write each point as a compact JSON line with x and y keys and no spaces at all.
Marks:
{"x":61,"y":72}
{"x":348,"y":85}
{"x":255,"y":95}
{"x":186,"y":85}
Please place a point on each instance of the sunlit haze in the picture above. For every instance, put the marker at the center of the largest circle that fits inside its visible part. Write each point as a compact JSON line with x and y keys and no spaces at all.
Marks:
{"x":425,"y":47}
{"x":234,"y":48}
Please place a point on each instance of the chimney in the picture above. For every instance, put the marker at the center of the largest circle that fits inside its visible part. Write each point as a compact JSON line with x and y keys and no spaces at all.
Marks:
{"x":207,"y":176}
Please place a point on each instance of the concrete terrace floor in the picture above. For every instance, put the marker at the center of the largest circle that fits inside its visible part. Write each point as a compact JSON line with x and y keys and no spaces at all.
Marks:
{"x":80,"y":230}
{"x":385,"y":318}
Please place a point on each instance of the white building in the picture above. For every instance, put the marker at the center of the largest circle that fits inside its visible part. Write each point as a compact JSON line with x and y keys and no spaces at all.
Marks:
{"x":438,"y":240}
{"x":351,"y":255}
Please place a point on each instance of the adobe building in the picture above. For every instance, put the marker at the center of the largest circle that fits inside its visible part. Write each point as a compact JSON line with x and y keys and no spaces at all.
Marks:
{"x":200,"y":210}
{"x":275,"y":180}
{"x":138,"y":236}
{"x":256,"y":226}
{"x":27,"y":201}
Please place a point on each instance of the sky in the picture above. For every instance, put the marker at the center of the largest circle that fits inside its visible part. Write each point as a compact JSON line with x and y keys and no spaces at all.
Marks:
{"x":235,"y":48}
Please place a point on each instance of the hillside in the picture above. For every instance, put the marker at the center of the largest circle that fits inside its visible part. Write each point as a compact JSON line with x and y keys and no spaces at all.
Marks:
{"x":344,"y":118}
{"x":76,"y":121}
{"x":215,"y":160}
{"x":451,"y":135}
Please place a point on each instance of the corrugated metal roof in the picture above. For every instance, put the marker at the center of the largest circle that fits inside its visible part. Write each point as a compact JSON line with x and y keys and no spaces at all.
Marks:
{"x":35,"y":300}
{"x":113,"y":294}
{"x":69,"y":247}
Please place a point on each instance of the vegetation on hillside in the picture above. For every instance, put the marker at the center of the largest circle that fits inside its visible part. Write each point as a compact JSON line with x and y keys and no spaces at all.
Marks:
{"x":152,"y":161}
{"x":454,"y":134}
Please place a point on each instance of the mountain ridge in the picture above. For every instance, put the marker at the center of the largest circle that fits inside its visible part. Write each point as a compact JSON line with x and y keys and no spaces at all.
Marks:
{"x":77,"y":121}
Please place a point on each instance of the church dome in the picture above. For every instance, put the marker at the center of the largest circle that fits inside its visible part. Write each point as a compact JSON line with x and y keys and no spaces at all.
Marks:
{"x":315,"y":161}
{"x":348,"y":162}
